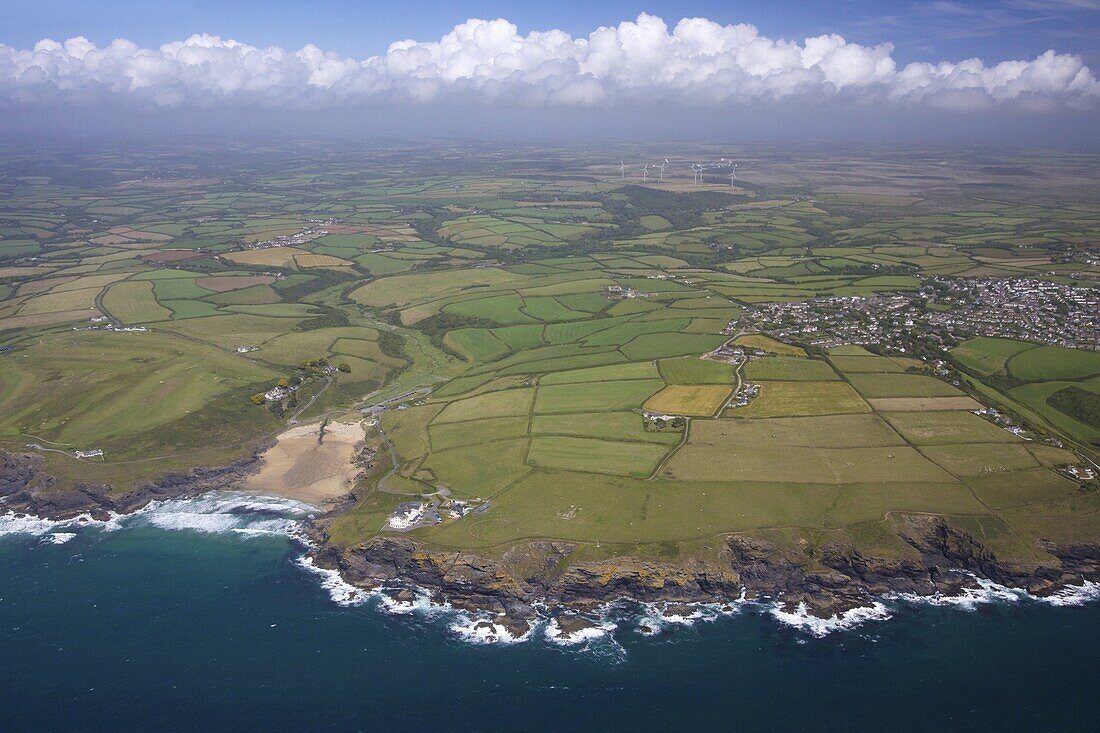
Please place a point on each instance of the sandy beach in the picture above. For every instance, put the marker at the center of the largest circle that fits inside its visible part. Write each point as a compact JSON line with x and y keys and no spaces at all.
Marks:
{"x":302,"y":467}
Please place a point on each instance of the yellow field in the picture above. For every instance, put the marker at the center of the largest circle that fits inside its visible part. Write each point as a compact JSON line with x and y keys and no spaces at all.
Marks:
{"x":275,"y":256}
{"x":759,"y":341}
{"x":695,"y":400}
{"x":313,"y":260}
{"x":69,"y":300}
{"x":403,"y":289}
{"x":25,"y":271}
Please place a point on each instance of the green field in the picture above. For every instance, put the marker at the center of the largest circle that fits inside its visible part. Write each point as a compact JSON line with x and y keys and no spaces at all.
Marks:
{"x":611,"y":425}
{"x":522,"y":311}
{"x":130,"y":394}
{"x":900,"y":385}
{"x":595,"y":396}
{"x":789,"y":399}
{"x":947,"y":428}
{"x":506,"y":403}
{"x":689,"y":370}
{"x":1054,"y":362}
{"x":133,"y":303}
{"x":988,"y":355}
{"x":856,"y":364}
{"x":595,"y":456}
{"x":788,"y":368}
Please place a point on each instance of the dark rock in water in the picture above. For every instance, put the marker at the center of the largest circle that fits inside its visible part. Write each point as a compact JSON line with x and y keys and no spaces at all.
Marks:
{"x":682,"y":610}
{"x":402,"y":595}
{"x":517,"y":627}
{"x":570,"y":624}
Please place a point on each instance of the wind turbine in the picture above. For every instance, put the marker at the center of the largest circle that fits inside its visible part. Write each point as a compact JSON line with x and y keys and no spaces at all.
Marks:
{"x":735,"y":170}
{"x":733,"y":177}
{"x":697,"y":169}
{"x":662,"y":167}
{"x":622,"y":168}
{"x":645,"y":172}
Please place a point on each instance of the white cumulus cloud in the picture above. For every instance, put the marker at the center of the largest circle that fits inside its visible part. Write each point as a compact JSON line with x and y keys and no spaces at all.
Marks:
{"x":697,"y":62}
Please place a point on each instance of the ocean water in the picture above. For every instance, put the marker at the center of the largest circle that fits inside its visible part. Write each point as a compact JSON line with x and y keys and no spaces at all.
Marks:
{"x":201,"y":615}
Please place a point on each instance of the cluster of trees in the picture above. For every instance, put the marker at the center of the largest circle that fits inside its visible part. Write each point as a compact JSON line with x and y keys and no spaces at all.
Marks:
{"x":1078,"y":403}
{"x":307,"y":372}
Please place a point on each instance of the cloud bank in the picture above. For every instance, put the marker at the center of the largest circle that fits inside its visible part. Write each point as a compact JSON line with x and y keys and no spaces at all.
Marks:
{"x":697,"y":63}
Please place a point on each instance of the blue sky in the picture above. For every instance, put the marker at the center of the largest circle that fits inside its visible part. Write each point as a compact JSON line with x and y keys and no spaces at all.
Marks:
{"x":921,"y":30}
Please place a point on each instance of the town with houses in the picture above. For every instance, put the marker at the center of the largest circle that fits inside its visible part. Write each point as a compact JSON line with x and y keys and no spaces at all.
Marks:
{"x":945,"y":311}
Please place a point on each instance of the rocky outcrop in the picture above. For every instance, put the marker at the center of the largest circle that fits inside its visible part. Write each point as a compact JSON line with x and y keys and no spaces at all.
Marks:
{"x":831,"y":580}
{"x":828,"y":580}
{"x":26,"y":489}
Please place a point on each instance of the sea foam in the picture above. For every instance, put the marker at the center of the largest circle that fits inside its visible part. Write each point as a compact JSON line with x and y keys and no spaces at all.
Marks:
{"x":600,"y":629}
{"x":1074,"y":595}
{"x":340,"y":591}
{"x":22,"y":524}
{"x":800,"y":618}
{"x":968,"y":599}
{"x":480,"y":630}
{"x":223,"y":512}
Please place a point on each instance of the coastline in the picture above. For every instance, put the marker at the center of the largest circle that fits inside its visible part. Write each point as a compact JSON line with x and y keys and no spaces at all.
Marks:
{"x":26,"y":489}
{"x":535,"y":578}
{"x":952,"y":564}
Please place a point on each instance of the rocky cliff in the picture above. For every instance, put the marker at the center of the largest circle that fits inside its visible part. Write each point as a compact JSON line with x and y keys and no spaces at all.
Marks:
{"x":26,"y":489}
{"x":836,"y":579}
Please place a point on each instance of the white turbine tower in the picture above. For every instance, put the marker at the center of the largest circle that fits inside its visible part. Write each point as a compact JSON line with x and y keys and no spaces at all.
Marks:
{"x":733,"y":177}
{"x":662,"y":167}
{"x":622,"y":168}
{"x":698,"y":170}
{"x":735,"y":170}
{"x":645,"y":172}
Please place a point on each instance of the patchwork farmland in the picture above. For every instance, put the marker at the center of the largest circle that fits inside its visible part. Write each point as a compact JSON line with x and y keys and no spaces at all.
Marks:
{"x":558,"y":344}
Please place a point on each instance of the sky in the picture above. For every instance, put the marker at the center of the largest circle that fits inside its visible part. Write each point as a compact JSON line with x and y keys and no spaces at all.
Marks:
{"x":1010,"y":70}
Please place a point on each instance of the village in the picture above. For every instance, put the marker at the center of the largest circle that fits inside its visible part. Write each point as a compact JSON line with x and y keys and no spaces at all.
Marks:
{"x":946,"y":311}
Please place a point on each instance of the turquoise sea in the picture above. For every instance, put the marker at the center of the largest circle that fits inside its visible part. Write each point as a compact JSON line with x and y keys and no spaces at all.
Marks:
{"x":200,"y":617}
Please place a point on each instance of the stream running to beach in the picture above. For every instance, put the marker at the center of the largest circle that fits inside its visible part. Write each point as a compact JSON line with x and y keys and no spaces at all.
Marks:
{"x":201,"y":615}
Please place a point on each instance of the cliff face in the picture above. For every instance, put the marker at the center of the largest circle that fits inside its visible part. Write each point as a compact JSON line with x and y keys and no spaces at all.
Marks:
{"x":25,"y":489}
{"x":839,"y":579}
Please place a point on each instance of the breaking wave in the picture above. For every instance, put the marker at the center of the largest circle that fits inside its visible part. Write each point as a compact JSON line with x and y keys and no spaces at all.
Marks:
{"x":218,"y":512}
{"x":800,"y":618}
{"x":53,"y":531}
{"x":1075,"y":595}
{"x":248,"y":516}
{"x":339,"y":590}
